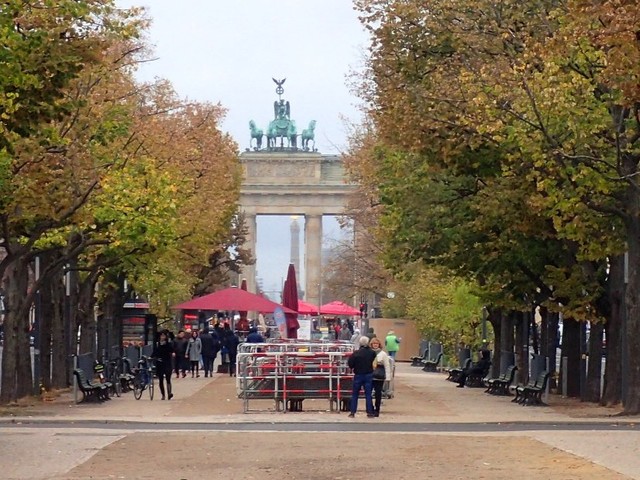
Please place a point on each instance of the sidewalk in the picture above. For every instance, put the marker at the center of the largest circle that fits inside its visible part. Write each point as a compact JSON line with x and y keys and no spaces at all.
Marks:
{"x":420,"y":398}
{"x":80,"y":443}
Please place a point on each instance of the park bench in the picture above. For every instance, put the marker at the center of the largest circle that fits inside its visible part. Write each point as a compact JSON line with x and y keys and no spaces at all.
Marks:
{"x":477,"y":379}
{"x":500,"y":385}
{"x":432,"y":366}
{"x":534,"y":382}
{"x":532,"y":395}
{"x":90,"y":391}
{"x":105,"y":386}
{"x":418,"y":361}
{"x":454,"y":373}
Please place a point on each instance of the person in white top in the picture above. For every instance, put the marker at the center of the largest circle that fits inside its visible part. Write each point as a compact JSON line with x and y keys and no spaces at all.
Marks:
{"x":381,"y":373}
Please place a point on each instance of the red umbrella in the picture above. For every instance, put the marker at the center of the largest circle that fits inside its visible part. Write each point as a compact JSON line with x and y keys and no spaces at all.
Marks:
{"x":338,"y":308}
{"x":306,"y":308}
{"x":231,"y":299}
{"x":243,"y":323}
{"x":290,"y":300}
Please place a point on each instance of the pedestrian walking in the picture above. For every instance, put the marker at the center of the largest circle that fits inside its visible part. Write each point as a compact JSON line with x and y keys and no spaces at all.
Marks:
{"x":361,"y":362}
{"x":231,"y":342}
{"x":163,"y":354}
{"x":194,"y":350}
{"x":381,"y":373}
{"x":210,"y":347}
{"x":392,"y":343}
{"x":180,"y":349}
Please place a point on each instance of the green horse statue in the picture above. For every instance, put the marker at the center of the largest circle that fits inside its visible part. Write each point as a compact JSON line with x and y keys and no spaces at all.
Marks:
{"x":257,"y":134}
{"x":281,"y":128}
{"x":308,"y":134}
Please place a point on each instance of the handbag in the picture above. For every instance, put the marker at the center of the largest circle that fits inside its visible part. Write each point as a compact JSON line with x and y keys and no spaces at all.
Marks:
{"x":379,"y":373}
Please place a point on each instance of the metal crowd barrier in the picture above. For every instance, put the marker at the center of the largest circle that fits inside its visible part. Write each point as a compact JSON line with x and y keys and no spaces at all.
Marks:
{"x":281,"y":345}
{"x":290,"y":372}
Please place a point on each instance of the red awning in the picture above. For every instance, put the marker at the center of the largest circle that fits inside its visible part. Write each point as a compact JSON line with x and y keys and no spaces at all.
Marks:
{"x":338,"y":308}
{"x":231,"y":299}
{"x":306,"y":308}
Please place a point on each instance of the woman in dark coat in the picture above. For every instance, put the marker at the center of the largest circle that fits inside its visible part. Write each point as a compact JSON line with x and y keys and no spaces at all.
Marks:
{"x":163,"y":354}
{"x":231,"y":342}
{"x":180,"y":348}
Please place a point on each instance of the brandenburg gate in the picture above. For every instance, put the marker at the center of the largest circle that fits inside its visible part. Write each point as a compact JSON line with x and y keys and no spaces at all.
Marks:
{"x":288,"y":177}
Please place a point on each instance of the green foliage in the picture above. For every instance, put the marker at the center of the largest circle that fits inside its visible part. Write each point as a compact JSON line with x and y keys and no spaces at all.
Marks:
{"x":444,"y":308}
{"x":501,"y":148}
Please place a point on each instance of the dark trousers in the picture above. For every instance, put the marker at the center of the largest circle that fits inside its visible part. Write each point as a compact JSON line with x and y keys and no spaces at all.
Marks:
{"x":207,"y":362}
{"x":164,"y":373}
{"x":232,"y":364}
{"x":195,"y":367}
{"x":180,"y":365}
{"x":468,"y":371}
{"x":361,"y":381}
{"x":377,"y":389}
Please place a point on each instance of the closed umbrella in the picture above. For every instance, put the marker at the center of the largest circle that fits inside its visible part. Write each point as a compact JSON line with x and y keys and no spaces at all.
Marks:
{"x":290,"y":300}
{"x":243,"y":323}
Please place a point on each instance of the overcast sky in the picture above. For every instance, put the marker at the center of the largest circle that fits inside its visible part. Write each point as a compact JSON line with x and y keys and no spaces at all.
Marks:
{"x":228,"y":52}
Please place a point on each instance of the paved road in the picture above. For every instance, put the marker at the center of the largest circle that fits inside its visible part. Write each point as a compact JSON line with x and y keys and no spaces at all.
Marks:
{"x":324,"y":427}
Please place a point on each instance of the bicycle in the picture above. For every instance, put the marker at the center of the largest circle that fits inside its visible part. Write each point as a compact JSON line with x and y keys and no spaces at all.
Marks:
{"x":115,"y":378}
{"x":143,"y":379}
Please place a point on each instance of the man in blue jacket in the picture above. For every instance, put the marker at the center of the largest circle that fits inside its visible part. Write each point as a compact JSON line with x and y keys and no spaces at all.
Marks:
{"x":254,"y":336}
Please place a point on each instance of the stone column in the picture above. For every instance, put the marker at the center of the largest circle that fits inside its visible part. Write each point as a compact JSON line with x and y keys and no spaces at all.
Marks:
{"x":313,"y":258}
{"x":249,"y":271}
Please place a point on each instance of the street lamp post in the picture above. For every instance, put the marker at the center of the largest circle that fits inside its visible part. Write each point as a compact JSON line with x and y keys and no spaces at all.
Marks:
{"x":485,"y":314}
{"x":67,"y":316}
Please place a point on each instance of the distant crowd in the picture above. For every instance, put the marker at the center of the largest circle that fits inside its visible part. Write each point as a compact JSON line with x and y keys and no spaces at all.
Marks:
{"x":196,"y":350}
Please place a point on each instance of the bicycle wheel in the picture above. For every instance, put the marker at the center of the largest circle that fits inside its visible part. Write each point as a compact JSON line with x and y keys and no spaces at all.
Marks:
{"x":150,"y":386}
{"x":138,"y":386}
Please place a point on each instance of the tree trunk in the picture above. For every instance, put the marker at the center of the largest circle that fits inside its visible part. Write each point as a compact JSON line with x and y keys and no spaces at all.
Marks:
{"x":630,"y":364}
{"x":495,"y":318}
{"x":549,"y":342}
{"x":571,"y":350}
{"x":60,"y":344}
{"x":8,"y":392}
{"x":631,"y":357}
{"x":534,"y":331}
{"x":85,"y":312}
{"x":17,"y":379}
{"x":612,"y":393}
{"x":522,"y":360}
{"x":46,"y":307}
{"x":506,"y":338}
{"x":111,"y":308}
{"x":594,"y":372}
